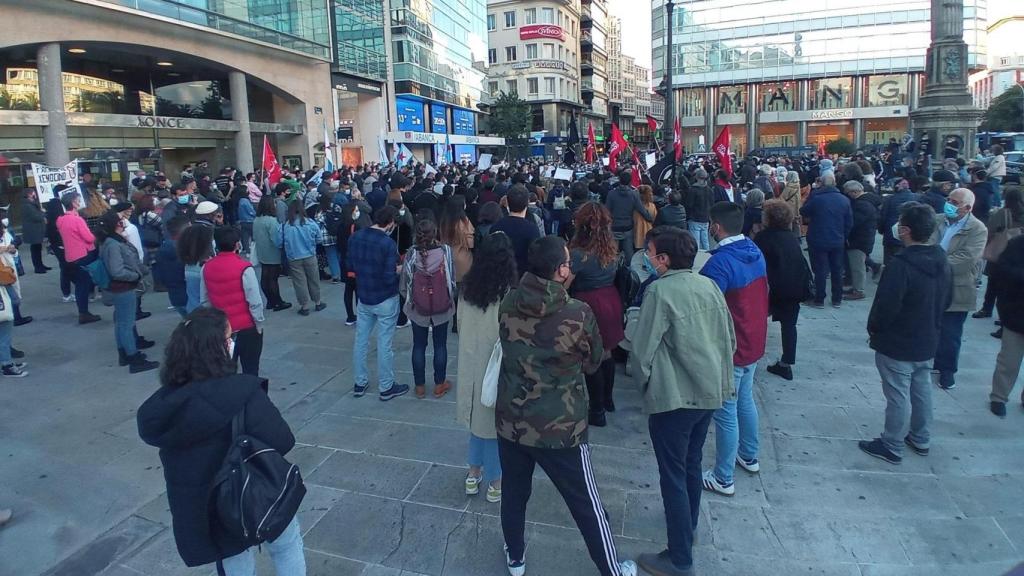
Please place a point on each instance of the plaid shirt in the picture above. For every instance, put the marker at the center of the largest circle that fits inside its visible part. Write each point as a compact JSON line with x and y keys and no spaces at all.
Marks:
{"x":373,"y":256}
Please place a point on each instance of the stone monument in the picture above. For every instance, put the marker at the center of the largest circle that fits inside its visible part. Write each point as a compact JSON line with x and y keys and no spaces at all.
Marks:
{"x":946,"y":109}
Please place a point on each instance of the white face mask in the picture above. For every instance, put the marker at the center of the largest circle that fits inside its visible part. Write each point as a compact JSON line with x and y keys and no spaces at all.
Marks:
{"x":231,"y":347}
{"x":6,"y":222}
{"x":896,"y":230}
{"x":355,"y":214}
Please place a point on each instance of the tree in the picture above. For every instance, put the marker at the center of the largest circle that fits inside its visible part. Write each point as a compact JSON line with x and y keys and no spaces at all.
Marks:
{"x":511,"y":118}
{"x":1006,"y":113}
{"x":841,"y":147}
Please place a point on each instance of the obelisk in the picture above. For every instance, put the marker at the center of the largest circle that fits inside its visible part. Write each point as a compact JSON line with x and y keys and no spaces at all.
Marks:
{"x":946,"y":108}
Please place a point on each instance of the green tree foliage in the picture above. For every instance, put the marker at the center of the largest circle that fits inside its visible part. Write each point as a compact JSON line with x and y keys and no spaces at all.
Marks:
{"x":510,"y":117}
{"x":1006,"y":113}
{"x":840,"y":146}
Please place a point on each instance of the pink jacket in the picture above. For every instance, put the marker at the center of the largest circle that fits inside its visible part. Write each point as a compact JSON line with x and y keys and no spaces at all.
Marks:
{"x":78,"y":239}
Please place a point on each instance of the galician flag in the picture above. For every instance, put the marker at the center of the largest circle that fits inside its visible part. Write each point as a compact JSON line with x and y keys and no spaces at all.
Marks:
{"x":395,"y":152}
{"x":404,"y":156}
{"x":382,"y":149}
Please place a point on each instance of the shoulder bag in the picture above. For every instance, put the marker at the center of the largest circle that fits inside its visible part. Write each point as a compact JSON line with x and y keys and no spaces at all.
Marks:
{"x":489,"y":389}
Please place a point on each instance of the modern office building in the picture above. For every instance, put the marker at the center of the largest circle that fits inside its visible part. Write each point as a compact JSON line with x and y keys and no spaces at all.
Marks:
{"x":629,"y":87}
{"x":438,"y":50}
{"x":789,"y":73}
{"x":123,"y":85}
{"x":594,"y":65}
{"x":1005,"y":60}
{"x":534,"y":51}
{"x":359,"y":76}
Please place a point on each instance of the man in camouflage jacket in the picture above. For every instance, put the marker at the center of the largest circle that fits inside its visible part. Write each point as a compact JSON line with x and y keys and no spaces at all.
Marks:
{"x":549,"y":341}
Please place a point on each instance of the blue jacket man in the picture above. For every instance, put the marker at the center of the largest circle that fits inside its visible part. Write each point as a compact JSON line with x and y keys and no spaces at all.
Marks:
{"x":830,"y":219}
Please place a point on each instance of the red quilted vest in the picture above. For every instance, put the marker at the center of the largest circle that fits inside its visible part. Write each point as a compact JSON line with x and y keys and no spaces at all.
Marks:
{"x":223,"y":277}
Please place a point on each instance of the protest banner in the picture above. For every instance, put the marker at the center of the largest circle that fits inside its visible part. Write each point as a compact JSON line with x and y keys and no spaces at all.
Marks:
{"x":46,"y":177}
{"x":484,"y":162}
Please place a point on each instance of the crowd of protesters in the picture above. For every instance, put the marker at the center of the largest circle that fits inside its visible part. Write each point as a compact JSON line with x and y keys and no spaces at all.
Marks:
{"x":680,"y":276}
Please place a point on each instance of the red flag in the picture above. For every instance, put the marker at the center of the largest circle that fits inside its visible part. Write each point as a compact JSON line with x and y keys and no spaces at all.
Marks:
{"x":270,"y":166}
{"x":677,"y":140}
{"x":821,"y":148}
{"x":721,"y":148}
{"x":635,"y":181}
{"x":591,"y":151}
{"x":618,"y":144}
{"x":652,"y":123}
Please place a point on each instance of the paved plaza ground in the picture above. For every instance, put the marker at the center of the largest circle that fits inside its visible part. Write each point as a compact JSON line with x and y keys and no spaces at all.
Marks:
{"x":385,"y":479}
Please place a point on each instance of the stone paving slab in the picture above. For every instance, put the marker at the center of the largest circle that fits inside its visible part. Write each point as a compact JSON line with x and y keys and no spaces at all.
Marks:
{"x":385,"y":495}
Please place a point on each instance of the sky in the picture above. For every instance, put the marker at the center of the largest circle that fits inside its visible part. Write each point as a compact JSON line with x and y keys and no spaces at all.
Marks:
{"x":636,"y":27}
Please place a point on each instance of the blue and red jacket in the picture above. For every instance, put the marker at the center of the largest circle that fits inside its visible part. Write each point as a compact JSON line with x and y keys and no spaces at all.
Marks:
{"x":739,"y":270}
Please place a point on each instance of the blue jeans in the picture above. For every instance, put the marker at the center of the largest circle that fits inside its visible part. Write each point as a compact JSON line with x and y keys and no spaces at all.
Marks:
{"x":333,"y":261}
{"x":678,"y":438}
{"x":483,"y":453}
{"x":124,"y":320}
{"x":736,"y":425}
{"x":419,"y":353}
{"x":828,"y":262}
{"x":700,"y":234}
{"x":997,"y":191}
{"x":384,"y":316}
{"x":193,"y":276}
{"x":951,"y":332}
{"x":6,"y":332}
{"x":83,"y":282}
{"x":286,"y":553}
{"x":246,"y":233}
{"x":907,"y":387}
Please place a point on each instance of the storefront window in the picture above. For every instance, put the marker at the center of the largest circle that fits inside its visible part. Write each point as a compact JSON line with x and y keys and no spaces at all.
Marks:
{"x":776,"y":135}
{"x":692,"y":102}
{"x":878,"y":132}
{"x":778,"y":96}
{"x":693,"y":138}
{"x":204,"y":99}
{"x":738,"y":136}
{"x":732,"y":100}
{"x":830,"y":93}
{"x":825,"y":132}
{"x":888,"y":90}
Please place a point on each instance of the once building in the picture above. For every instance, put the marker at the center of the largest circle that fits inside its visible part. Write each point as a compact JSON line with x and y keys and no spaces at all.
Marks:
{"x":159,"y":84}
{"x":784,"y":73}
{"x":534,"y":51}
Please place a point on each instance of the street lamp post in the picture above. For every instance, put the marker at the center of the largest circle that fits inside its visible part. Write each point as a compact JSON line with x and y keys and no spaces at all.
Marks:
{"x":668,"y":128}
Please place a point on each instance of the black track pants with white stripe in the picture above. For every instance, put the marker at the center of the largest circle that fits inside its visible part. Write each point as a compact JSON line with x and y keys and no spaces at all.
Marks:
{"x":570,"y":471}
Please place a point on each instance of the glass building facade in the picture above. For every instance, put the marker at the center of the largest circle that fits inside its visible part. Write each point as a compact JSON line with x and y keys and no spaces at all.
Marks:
{"x":435,"y":44}
{"x":359,"y":38}
{"x":300,"y":25}
{"x":794,"y":73}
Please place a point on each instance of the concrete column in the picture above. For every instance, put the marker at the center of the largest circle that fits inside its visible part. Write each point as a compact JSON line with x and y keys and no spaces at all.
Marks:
{"x":753,"y":105}
{"x":858,"y":132}
{"x":802,"y":89}
{"x":240,"y":114}
{"x":710,"y":114}
{"x":51,"y":100}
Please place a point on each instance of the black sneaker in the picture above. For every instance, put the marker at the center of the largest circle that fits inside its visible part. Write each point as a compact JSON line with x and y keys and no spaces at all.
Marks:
{"x":88,"y":318}
{"x":816,"y":304}
{"x":15,"y":353}
{"x":597,"y":419}
{"x":947,"y":381}
{"x":784,"y":372}
{"x":142,"y":315}
{"x":358,"y":391}
{"x":914,"y":447}
{"x":395,"y":391}
{"x":282,"y":306}
{"x":143,"y":344}
{"x":303,"y":312}
{"x":998,"y":408}
{"x":139,"y":363}
{"x":982,"y":314}
{"x":350,"y":321}
{"x":320,"y":307}
{"x":13,"y":371}
{"x":878,"y":450}
{"x":23,"y":320}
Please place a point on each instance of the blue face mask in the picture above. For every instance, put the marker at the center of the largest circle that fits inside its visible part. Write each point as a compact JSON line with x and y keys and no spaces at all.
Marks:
{"x":649,"y":266}
{"x":183,"y":199}
{"x":950,"y":210}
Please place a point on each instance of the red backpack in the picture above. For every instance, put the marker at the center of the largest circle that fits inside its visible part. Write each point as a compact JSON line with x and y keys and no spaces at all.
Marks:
{"x":430,"y":290}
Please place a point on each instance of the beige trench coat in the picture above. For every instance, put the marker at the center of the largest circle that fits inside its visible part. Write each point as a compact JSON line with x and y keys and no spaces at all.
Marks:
{"x":478,"y":331}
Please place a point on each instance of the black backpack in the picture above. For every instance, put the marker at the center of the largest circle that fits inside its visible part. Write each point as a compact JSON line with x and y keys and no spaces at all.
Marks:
{"x":332,"y":221}
{"x":627,"y":282}
{"x":256,"y":492}
{"x":150,"y":232}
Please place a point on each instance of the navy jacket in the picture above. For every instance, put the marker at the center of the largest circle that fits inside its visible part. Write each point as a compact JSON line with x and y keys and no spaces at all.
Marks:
{"x":170,"y":272}
{"x":865,"y":222}
{"x":830,"y":218}
{"x":890,"y":214}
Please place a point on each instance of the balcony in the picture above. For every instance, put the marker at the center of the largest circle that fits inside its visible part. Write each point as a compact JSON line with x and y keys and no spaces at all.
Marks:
{"x":585,"y":13}
{"x":586,"y":39}
{"x":586,"y":85}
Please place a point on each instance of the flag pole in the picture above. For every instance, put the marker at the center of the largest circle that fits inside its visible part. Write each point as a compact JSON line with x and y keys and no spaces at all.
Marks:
{"x":263,"y":166}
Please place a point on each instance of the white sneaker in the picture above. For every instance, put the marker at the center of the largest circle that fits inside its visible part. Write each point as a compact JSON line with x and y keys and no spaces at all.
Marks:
{"x":752,"y":465}
{"x":711,"y":484}
{"x":68,"y":298}
{"x":493,"y":494}
{"x":518,"y":567}
{"x":473,"y":485}
{"x":627,"y":568}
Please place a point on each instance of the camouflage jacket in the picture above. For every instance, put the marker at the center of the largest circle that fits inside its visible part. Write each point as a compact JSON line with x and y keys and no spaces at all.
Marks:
{"x":548,"y":342}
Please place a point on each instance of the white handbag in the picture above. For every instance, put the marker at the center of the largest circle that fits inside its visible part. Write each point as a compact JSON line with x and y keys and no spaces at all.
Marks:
{"x":6,"y":309}
{"x":489,"y":388}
